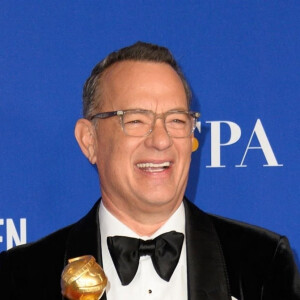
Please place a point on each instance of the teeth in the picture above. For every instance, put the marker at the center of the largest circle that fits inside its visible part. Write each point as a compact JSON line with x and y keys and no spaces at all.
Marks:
{"x":152,"y":165}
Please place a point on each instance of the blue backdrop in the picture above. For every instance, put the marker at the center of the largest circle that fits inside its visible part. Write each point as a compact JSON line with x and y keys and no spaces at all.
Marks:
{"x":242,"y":61}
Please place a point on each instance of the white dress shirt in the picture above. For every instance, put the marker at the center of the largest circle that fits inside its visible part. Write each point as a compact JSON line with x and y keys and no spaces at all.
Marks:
{"x":146,"y":284}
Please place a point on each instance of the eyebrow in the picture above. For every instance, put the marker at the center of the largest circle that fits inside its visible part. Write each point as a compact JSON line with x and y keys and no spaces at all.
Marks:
{"x":145,"y":109}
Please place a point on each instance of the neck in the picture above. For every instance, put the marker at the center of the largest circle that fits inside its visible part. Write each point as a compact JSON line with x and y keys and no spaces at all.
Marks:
{"x":141,"y":222}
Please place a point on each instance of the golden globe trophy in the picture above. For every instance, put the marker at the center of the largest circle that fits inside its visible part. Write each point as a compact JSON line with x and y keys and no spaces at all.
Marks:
{"x":83,"y":279}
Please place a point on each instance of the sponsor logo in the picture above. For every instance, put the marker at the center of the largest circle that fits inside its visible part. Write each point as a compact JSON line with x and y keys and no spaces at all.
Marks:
{"x":14,"y":235}
{"x":258,"y":134}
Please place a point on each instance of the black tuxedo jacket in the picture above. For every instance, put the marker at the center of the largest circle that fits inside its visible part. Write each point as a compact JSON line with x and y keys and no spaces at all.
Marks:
{"x":225,"y":258}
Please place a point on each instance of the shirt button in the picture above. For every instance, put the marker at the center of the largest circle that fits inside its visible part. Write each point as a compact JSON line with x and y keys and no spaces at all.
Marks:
{"x":150,"y":291}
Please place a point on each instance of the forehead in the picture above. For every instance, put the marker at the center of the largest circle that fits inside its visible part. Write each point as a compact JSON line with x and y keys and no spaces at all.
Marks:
{"x":135,"y":84}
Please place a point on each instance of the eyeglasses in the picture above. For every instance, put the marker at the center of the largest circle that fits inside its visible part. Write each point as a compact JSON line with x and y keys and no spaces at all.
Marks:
{"x":139,"y":123}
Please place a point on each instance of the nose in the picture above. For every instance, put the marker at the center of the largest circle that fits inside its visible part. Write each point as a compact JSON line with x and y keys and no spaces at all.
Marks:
{"x":159,"y":137}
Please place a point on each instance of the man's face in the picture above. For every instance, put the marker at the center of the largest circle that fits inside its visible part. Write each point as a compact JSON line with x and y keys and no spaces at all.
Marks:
{"x":125,"y":181}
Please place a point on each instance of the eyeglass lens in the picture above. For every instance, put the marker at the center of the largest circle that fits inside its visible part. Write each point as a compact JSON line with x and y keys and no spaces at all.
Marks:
{"x":178,"y":124}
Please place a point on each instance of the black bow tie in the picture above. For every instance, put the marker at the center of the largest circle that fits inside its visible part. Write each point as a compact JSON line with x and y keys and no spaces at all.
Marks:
{"x":164,"y":251}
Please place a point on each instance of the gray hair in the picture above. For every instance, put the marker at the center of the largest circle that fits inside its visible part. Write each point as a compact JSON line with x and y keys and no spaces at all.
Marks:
{"x":139,"y":51}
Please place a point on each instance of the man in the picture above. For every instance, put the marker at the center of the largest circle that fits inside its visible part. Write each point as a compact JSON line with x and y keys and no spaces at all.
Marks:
{"x":138,"y":130}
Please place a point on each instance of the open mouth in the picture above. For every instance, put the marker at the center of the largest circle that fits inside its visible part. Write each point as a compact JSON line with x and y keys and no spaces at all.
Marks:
{"x":153,"y":167}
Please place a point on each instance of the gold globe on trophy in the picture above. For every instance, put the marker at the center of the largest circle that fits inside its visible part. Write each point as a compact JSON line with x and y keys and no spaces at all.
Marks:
{"x":83,"y":279}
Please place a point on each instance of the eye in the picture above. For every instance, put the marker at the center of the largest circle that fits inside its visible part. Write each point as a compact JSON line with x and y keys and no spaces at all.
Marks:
{"x":179,"y":121}
{"x":136,"y":119}
{"x":133,"y":122}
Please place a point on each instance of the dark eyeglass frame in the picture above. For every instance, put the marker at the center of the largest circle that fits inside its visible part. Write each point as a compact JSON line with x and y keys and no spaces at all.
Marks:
{"x":121,"y":113}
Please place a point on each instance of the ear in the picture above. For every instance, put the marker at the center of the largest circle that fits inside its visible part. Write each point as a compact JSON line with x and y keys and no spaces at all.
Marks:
{"x":86,"y":138}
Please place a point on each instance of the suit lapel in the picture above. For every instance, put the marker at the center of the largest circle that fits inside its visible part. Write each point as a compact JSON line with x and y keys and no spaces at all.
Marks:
{"x":84,"y":238}
{"x":207,"y":275}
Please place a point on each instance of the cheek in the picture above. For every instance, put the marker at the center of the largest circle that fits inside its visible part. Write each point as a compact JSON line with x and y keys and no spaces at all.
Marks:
{"x":184,"y":155}
{"x":105,"y":152}
{"x":184,"y":150}
{"x":117,"y":150}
